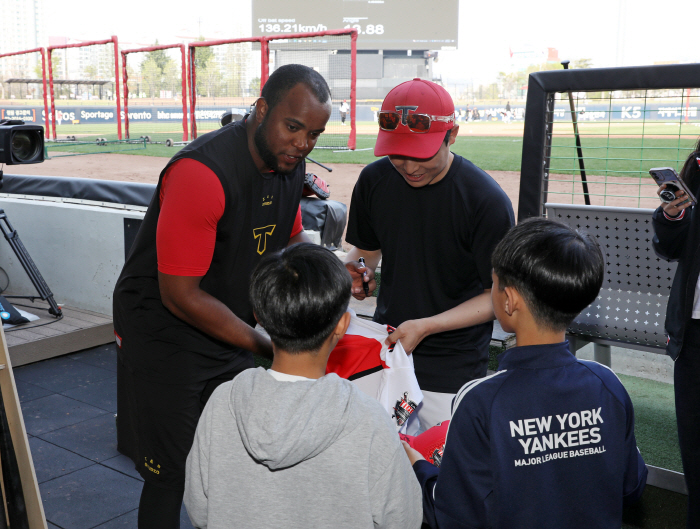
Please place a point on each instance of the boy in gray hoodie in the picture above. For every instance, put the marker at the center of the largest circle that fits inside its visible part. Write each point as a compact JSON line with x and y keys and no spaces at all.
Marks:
{"x":291,"y":446}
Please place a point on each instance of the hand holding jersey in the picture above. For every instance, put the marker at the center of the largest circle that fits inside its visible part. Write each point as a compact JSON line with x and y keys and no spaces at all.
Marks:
{"x":411,"y":333}
{"x":383,"y":371}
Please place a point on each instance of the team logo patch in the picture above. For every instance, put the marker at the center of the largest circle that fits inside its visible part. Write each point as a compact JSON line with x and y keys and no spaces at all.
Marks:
{"x":150,"y":465}
{"x":261,"y":234}
{"x":403,"y":409}
{"x":404,"y":112}
{"x":436,"y":457}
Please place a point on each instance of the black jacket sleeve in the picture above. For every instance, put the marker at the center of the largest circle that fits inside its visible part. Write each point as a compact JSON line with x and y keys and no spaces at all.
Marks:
{"x":670,"y":236}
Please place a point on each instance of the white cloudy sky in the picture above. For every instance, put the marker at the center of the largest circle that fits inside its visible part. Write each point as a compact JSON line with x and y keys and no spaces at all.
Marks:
{"x":651,"y":31}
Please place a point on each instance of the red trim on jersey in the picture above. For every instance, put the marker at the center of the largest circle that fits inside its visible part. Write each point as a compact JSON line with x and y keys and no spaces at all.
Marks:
{"x":355,"y":354}
{"x":297,"y":228}
{"x":189,"y":214}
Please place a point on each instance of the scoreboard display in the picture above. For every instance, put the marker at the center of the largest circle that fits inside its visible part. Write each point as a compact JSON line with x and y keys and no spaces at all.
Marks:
{"x":381,"y":24}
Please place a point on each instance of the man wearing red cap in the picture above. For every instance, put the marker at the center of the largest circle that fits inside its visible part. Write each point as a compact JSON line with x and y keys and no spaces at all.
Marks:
{"x":433,"y":219}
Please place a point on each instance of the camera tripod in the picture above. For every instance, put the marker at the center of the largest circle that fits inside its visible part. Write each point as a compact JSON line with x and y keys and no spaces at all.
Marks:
{"x":28,"y":264}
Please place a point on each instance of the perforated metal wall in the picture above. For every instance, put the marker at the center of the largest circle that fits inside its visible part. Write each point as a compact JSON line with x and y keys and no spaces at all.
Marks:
{"x":631,"y":306}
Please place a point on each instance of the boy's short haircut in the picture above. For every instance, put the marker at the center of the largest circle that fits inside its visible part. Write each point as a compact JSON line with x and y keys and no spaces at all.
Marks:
{"x":299,"y":294}
{"x":557,"y":270}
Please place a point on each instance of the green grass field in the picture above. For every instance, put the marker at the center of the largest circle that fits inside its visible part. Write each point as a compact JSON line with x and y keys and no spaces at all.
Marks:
{"x":614,"y":157}
{"x":629,"y":150}
{"x":655,"y":421}
{"x":76,"y":148}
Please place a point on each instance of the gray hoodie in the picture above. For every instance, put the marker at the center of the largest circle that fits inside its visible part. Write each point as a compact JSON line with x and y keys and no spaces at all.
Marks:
{"x":306,"y":454}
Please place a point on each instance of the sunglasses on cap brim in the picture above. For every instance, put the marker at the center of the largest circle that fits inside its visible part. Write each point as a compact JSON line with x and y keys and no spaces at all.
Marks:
{"x":419,"y":123}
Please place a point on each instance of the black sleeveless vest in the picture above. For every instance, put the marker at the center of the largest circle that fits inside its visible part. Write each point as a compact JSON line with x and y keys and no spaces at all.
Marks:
{"x":258,"y":218}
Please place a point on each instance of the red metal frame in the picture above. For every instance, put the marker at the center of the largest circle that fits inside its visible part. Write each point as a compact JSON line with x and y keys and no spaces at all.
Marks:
{"x":265,"y":62}
{"x":113,"y":40}
{"x":42,"y":51}
{"x":265,"y":69}
{"x":352,"y":140}
{"x":193,"y":74}
{"x":125,"y":78}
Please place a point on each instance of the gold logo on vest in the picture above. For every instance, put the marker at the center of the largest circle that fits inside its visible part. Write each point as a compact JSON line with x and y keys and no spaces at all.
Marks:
{"x":267,"y":201}
{"x":261,"y":235}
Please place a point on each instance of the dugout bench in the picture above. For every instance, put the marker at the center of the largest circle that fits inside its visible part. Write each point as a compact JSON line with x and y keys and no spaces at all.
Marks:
{"x":630,"y":310}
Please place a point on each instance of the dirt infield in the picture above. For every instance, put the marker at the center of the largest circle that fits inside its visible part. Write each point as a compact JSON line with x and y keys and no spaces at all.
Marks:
{"x":146,"y":169}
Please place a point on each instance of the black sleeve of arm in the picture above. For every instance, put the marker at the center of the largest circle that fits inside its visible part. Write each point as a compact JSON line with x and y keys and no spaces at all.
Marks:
{"x":670,"y":235}
{"x":427,"y":475}
{"x":636,"y":471}
{"x":491,"y":222}
{"x":633,"y":495}
{"x":360,"y":232}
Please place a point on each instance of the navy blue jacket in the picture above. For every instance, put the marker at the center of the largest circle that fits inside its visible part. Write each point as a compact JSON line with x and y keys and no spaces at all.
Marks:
{"x":546,"y":442}
{"x":679,"y":240}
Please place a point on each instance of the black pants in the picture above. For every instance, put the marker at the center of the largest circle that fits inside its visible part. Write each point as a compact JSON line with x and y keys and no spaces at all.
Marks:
{"x":155,"y":428}
{"x":687,"y":389}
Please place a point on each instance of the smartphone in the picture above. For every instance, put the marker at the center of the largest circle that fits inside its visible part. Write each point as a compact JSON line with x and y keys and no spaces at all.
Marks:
{"x":668,"y":176}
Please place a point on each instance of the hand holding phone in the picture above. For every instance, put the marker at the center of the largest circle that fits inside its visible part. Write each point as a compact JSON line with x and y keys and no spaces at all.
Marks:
{"x":672,"y":190}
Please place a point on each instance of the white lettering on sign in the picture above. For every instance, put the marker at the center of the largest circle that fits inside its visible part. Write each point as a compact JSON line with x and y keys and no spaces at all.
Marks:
{"x":677,"y":112}
{"x":631,"y":112}
{"x":95,"y":115}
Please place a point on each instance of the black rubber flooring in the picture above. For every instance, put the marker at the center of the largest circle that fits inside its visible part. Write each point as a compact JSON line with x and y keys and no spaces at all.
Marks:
{"x":69,"y":405}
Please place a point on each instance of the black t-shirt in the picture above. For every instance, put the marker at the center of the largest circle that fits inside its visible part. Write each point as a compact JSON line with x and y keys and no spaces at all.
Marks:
{"x":436,"y":244}
{"x":260,"y":210}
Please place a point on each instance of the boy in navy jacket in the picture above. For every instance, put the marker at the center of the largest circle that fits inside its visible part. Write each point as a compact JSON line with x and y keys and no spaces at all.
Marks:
{"x":547,"y":441}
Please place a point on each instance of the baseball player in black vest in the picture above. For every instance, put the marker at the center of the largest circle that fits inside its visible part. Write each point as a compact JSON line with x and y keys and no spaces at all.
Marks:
{"x":182,"y":318}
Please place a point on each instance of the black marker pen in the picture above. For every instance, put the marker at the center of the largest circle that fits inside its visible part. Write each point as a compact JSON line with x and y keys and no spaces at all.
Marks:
{"x":361,"y":260}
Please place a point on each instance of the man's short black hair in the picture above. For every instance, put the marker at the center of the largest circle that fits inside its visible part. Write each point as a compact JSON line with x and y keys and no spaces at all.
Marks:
{"x":447,"y":137}
{"x":286,"y":77}
{"x":557,"y":270}
{"x":299,"y":294}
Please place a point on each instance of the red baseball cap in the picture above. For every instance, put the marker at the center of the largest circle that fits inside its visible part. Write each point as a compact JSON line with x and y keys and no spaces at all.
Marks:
{"x":430,"y":443}
{"x":421,"y":97}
